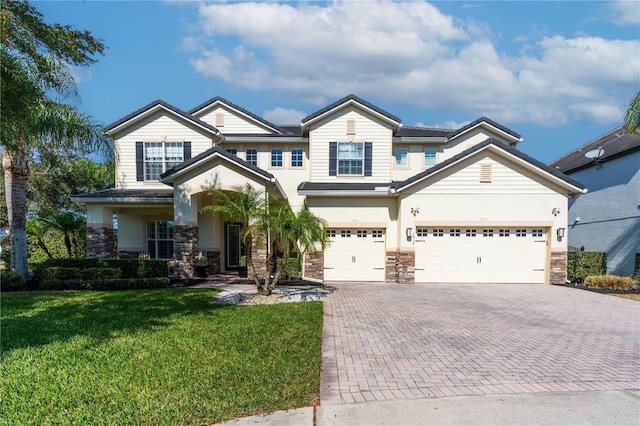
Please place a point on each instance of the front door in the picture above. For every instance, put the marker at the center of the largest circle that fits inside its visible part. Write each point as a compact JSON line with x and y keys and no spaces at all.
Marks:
{"x":233,"y":246}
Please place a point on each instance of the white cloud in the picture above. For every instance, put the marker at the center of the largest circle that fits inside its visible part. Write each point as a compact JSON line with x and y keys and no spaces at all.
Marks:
{"x":625,"y":12}
{"x":412,"y":53}
{"x":281,"y":115}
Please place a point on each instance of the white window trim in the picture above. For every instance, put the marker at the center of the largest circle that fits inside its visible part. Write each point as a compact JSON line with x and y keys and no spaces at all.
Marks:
{"x":301,"y":166}
{"x":395,"y":158}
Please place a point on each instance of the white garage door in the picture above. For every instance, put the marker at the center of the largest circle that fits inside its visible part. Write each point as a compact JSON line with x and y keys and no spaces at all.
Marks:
{"x":483,"y":255}
{"x":355,"y":255}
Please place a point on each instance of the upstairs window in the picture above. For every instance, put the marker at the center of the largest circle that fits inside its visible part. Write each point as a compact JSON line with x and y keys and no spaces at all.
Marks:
{"x":350,"y":158}
{"x":232,"y":151}
{"x":296,"y":157}
{"x":401,"y":157}
{"x":161,"y":156}
{"x":429,"y":157}
{"x":251,"y":156}
{"x":276,"y":157}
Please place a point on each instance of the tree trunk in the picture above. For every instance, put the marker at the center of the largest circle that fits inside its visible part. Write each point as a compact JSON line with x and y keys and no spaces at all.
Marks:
{"x":16,"y":167}
{"x":44,"y":247}
{"x":67,"y":243}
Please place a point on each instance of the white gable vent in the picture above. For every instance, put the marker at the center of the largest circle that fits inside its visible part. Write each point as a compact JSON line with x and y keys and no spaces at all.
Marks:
{"x":219,"y":119}
{"x":485,"y":173}
{"x":351,"y":127}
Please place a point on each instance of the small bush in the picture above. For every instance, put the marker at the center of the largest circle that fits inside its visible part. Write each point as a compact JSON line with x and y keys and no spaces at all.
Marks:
{"x":612,"y":282}
{"x":582,"y":264}
{"x":104,"y":284}
{"x":12,"y":281}
{"x":291,"y":268}
{"x":130,"y":268}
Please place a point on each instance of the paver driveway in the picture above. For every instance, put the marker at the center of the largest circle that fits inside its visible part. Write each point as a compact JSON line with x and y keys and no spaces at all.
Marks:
{"x":390,"y":341}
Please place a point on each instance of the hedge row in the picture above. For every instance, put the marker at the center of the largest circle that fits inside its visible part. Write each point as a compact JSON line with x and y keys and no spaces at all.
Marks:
{"x":582,"y":264}
{"x":129,"y":268}
{"x":12,"y":281}
{"x":104,"y":284}
{"x":66,"y":273}
{"x":613,"y":282}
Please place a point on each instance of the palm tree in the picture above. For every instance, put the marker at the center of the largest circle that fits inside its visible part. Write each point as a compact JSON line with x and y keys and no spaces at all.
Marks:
{"x":290,"y":231}
{"x":70,"y":225}
{"x":37,"y":229}
{"x":35,"y":79}
{"x":632,"y":116}
{"x":245,"y":205}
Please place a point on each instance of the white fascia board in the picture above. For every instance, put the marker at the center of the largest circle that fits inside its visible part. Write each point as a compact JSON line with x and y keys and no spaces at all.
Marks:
{"x":493,"y":128}
{"x":359,"y":105}
{"x":153,"y":110}
{"x":346,"y":193}
{"x":419,"y":139}
{"x":169,"y":180}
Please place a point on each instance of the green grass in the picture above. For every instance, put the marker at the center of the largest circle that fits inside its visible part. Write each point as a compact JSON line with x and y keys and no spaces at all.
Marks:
{"x":153,"y":357}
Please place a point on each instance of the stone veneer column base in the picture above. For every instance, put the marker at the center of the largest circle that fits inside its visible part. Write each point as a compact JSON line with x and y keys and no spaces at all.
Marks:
{"x":558,"y":273}
{"x":400,"y":267}
{"x":259,"y":255}
{"x":314,"y":265}
{"x":213,"y":262}
{"x":101,"y":241}
{"x":185,"y":250}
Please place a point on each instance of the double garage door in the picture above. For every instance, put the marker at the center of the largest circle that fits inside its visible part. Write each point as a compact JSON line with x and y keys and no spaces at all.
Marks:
{"x":355,"y":255}
{"x":483,"y":255}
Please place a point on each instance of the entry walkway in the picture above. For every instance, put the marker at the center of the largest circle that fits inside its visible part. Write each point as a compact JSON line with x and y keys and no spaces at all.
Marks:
{"x":388,"y":341}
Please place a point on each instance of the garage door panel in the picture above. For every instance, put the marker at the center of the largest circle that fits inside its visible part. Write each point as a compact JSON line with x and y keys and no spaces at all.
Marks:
{"x":355,"y":255}
{"x":516,"y":255}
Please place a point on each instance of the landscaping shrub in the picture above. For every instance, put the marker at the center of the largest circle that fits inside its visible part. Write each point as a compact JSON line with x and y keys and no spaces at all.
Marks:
{"x":291,"y":268}
{"x":66,"y":273}
{"x":129,"y":268}
{"x":104,"y":284}
{"x":613,"y":282}
{"x":12,"y":281}
{"x":582,"y":264}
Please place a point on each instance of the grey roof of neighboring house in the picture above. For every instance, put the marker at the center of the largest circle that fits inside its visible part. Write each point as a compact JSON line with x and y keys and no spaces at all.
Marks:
{"x":616,"y":143}
{"x":486,"y":120}
{"x":239,"y":108}
{"x":470,"y":151}
{"x":222,"y":153}
{"x":128,"y":193}
{"x":294,"y":129}
{"x":347,"y":98}
{"x":170,"y":107}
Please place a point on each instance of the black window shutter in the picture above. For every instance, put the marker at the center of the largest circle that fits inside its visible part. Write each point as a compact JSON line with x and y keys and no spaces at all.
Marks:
{"x":139,"y":161}
{"x":186,"y":150}
{"x":368,"y":153}
{"x":333,"y":158}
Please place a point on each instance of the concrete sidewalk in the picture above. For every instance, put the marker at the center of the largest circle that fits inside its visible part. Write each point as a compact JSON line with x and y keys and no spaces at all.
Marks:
{"x":564,"y":408}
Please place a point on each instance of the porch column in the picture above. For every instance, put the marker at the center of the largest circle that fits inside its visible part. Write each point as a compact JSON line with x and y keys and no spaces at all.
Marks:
{"x":186,"y":243}
{"x":101,"y":237}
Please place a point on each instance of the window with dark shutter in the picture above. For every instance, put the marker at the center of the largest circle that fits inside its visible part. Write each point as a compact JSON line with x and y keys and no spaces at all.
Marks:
{"x":333,"y":158}
{"x":186,"y":150}
{"x":139,"y":161}
{"x":368,"y":154}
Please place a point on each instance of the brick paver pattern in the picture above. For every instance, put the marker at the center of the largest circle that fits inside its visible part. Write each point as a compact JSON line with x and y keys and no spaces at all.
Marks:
{"x":392,"y":341}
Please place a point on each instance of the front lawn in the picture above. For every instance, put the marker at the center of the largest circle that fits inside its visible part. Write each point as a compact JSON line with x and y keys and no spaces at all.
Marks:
{"x":153,"y":357}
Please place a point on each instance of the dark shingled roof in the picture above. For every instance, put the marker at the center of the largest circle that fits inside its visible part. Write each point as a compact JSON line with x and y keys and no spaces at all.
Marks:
{"x":347,"y":98}
{"x":412,"y":132}
{"x":475,"y":148}
{"x":237,"y":107}
{"x":486,"y":120}
{"x":616,"y":143}
{"x":213,"y":151}
{"x":129,"y":193}
{"x":293,"y":129}
{"x":340,"y":186}
{"x":170,"y":107}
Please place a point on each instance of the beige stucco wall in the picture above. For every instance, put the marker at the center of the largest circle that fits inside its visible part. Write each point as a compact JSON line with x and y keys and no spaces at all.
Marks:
{"x":132,"y":228}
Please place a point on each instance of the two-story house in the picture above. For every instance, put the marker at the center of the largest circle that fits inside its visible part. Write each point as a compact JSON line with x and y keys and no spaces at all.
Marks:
{"x":405,"y":204}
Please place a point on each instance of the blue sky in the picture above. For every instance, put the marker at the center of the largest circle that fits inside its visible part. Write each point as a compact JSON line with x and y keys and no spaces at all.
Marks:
{"x":559,"y":73}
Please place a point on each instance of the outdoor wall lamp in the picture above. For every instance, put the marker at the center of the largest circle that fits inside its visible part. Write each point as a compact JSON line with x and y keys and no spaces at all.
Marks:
{"x":560,"y":232}
{"x":555,"y":211}
{"x":409,"y":233}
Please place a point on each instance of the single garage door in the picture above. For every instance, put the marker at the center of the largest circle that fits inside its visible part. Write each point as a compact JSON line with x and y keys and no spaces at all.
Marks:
{"x":483,"y":255}
{"x":355,"y":255}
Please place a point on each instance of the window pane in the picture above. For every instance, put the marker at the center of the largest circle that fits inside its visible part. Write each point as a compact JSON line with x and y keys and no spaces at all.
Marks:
{"x":401,"y":157}
{"x":296,"y":157}
{"x":276,"y":157}
{"x":165,"y":249}
{"x":429,"y":157}
{"x":251,"y":156}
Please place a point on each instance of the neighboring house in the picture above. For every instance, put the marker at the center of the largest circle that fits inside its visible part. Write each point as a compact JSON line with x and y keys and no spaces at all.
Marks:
{"x":401,"y":203}
{"x":607,"y":218}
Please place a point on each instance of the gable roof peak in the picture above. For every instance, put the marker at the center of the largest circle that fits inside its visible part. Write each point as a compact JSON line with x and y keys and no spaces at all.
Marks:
{"x":238,"y":108}
{"x":350,"y":99}
{"x":488,"y":121}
